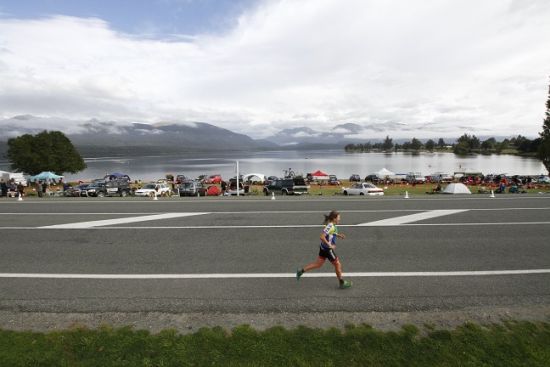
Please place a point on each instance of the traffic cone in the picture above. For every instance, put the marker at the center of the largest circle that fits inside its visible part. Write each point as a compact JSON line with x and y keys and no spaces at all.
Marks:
{"x":155,"y":196}
{"x":406,"y":194}
{"x":272,"y":196}
{"x":492,"y":194}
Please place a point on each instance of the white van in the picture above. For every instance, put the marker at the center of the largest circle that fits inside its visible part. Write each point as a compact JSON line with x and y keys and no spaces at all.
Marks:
{"x":19,"y":178}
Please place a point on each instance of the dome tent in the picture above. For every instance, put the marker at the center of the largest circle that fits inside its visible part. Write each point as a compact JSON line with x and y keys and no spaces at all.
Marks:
{"x":456,"y":188}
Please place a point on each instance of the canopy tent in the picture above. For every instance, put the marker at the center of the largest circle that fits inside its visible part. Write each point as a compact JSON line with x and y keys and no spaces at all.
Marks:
{"x":249,"y":177}
{"x":117,"y":176}
{"x":384,"y":173}
{"x":456,"y":188}
{"x":319,"y":175}
{"x":45,"y":176}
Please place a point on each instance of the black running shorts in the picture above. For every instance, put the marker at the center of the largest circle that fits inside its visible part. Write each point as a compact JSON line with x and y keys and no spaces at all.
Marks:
{"x":328,"y":254}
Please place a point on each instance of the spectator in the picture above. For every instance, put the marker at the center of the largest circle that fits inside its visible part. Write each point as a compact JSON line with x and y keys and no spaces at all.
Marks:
{"x":20,"y":189}
{"x":39,"y":188}
{"x":3,"y":188}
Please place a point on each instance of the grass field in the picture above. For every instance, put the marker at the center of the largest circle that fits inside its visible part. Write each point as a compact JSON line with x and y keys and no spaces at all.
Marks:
{"x":508,"y":344}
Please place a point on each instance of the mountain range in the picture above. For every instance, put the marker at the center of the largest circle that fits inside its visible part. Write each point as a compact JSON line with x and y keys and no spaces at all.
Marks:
{"x":98,"y":138}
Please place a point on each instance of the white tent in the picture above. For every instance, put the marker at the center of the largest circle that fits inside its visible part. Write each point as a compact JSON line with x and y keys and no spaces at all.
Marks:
{"x":251,"y":175}
{"x":384,"y":172}
{"x":456,"y":188}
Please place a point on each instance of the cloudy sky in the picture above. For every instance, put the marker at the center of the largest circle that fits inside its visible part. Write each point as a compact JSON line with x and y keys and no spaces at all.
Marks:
{"x":425,"y":68}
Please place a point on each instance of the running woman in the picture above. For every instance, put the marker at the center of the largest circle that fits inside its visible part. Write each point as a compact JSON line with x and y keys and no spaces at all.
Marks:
{"x":326,"y":250}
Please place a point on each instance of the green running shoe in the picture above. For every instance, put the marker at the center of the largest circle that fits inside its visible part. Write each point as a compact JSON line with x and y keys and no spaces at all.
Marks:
{"x":345,"y":284}
{"x":299,"y":273}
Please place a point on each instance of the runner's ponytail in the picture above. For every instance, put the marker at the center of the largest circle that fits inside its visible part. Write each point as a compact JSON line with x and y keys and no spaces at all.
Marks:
{"x":331,"y":216}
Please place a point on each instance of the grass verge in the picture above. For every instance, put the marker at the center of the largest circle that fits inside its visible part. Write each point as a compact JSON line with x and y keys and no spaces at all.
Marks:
{"x":507,"y":344}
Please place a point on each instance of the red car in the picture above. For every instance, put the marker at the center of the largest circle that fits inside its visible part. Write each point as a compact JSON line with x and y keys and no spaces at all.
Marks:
{"x":213,"y":179}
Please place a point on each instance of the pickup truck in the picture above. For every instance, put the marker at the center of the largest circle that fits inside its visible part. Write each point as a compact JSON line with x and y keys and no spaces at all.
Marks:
{"x":415,"y":178}
{"x":109,"y":188}
{"x":287,"y":186}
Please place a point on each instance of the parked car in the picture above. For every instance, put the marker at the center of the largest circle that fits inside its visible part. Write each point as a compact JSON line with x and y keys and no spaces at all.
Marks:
{"x":110,"y":188}
{"x":441,"y":177}
{"x":180,"y":179}
{"x":201,"y":178}
{"x":415,"y":178}
{"x":543,"y":179}
{"x":362,"y":188}
{"x":287,"y":186}
{"x":161,"y":189}
{"x":333,"y":180}
{"x":232,"y":187}
{"x":213,"y":179}
{"x":355,"y":178}
{"x":372,"y":178}
{"x":192,"y":188}
{"x":76,"y":191}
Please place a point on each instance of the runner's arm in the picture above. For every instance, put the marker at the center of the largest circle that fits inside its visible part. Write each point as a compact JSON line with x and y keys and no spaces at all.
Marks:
{"x":324,"y":240}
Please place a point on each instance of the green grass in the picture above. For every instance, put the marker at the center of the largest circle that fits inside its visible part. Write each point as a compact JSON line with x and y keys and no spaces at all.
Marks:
{"x":423,"y":189}
{"x":508,"y":344}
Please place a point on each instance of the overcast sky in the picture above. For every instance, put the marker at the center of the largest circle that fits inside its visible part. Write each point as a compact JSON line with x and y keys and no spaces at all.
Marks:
{"x":438,"y":68}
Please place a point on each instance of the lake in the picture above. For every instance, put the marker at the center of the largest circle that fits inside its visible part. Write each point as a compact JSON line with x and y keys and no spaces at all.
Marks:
{"x":274,"y":163}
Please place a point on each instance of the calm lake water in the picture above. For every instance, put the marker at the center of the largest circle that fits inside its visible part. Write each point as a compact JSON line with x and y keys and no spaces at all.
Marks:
{"x":336,"y":162}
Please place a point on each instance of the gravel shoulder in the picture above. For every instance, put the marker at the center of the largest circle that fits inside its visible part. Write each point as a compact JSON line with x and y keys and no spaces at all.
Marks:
{"x":190,"y":322}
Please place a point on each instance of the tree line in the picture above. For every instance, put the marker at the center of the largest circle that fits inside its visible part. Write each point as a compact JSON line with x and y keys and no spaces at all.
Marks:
{"x":466,"y":144}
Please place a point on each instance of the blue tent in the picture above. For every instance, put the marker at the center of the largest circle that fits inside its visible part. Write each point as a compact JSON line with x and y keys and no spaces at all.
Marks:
{"x":45,"y":176}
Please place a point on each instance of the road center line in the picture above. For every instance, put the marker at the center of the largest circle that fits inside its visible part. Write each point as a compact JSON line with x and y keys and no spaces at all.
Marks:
{"x":108,"y":222}
{"x":411,"y":218}
{"x":275,"y":275}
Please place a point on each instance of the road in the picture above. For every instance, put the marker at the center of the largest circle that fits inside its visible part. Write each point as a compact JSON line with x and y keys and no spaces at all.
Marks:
{"x":239,"y":255}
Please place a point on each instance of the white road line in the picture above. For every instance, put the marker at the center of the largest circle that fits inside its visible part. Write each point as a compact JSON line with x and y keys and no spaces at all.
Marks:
{"x":274,"y":226}
{"x":411,"y":218}
{"x":274,"y":275}
{"x":108,"y":222}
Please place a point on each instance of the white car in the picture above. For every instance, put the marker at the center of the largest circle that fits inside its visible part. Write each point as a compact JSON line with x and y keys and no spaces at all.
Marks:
{"x":150,"y":188}
{"x":362,"y":188}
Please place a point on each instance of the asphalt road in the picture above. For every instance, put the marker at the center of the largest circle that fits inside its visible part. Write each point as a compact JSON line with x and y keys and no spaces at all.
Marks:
{"x":251,"y":236}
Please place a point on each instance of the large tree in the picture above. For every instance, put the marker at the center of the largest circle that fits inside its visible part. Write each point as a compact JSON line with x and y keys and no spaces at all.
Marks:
{"x":387,"y":145}
{"x":544,"y":147}
{"x":46,"y":151}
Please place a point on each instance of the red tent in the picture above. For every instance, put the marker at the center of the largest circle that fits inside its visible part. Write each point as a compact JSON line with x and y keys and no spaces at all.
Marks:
{"x":319,"y":175}
{"x":213,"y":191}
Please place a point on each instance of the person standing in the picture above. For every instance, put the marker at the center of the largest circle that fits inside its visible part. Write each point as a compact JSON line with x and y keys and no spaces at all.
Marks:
{"x":326,"y":249}
{"x":3,"y":188}
{"x":39,"y":188}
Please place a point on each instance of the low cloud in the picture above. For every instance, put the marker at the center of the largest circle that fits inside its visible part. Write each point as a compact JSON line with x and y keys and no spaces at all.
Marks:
{"x":429,"y":68}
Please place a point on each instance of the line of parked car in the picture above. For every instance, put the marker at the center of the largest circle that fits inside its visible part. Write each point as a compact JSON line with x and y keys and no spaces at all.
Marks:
{"x":214,"y":185}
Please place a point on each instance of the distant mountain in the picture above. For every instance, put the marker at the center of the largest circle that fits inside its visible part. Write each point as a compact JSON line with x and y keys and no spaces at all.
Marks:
{"x":96,"y":137}
{"x":304,"y":136}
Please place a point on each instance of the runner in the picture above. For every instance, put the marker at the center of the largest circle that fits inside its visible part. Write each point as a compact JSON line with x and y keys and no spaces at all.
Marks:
{"x":326,"y":251}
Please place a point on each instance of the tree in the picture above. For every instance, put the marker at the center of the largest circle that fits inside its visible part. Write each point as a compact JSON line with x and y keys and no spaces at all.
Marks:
{"x":467,"y":144}
{"x":441,"y":143}
{"x":430,"y":145}
{"x":46,"y":151}
{"x":544,"y":146}
{"x":387,"y":145}
{"x":488,"y":144}
{"x":416,"y":144}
